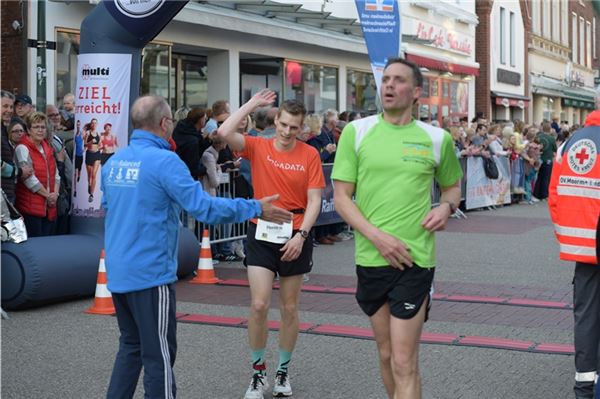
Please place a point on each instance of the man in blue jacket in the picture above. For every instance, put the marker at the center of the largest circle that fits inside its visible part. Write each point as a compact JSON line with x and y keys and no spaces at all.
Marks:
{"x":145,"y":187}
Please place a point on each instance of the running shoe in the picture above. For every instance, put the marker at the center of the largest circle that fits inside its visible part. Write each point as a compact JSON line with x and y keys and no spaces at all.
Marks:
{"x":258,"y":385}
{"x":239,"y":251}
{"x":282,"y":387}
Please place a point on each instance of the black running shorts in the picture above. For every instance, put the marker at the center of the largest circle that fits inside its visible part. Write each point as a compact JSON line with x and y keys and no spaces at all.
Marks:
{"x":268,"y":255}
{"x":404,"y":290}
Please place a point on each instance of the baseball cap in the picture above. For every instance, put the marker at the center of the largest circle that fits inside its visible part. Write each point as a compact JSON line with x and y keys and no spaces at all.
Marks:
{"x":23,"y":98}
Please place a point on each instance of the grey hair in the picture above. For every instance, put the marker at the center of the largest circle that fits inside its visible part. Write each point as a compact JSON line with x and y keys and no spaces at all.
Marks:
{"x":328,"y":113}
{"x":181,"y":113}
{"x":148,"y":111}
{"x":7,"y":94}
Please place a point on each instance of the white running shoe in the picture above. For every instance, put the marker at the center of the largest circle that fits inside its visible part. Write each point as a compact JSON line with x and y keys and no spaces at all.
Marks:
{"x":282,"y":387}
{"x":258,"y":385}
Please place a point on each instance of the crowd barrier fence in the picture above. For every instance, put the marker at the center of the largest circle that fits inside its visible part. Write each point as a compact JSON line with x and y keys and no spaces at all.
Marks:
{"x":477,"y":191}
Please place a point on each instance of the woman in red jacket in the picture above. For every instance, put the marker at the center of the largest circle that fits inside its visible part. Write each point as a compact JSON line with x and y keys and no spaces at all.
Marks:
{"x":37,"y":195}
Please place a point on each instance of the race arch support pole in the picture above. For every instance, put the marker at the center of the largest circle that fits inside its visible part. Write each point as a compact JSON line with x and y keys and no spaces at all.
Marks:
{"x":122,"y":27}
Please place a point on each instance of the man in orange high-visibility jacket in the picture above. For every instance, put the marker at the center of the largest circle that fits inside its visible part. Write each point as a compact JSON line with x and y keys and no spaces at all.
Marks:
{"x":574,"y":205}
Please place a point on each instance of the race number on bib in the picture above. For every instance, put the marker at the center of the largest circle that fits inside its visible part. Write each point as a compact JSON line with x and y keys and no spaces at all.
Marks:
{"x":273,"y":232}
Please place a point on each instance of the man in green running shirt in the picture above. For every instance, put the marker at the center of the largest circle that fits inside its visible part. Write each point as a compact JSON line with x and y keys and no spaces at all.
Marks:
{"x":388,"y":163}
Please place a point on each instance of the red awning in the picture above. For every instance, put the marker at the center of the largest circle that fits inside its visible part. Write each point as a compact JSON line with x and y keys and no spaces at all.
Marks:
{"x":442,"y":65}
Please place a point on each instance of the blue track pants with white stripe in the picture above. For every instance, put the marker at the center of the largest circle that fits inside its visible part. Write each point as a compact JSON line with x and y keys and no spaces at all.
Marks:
{"x":148,"y":339}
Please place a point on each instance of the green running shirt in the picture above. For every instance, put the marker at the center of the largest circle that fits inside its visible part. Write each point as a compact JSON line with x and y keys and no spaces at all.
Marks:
{"x":393,"y":168}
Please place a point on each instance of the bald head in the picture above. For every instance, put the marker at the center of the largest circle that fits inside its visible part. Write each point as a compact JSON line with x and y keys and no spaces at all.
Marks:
{"x":147,"y":113}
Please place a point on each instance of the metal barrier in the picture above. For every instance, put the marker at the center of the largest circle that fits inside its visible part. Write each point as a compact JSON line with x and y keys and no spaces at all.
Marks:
{"x":237,"y":231}
{"x":223,"y":232}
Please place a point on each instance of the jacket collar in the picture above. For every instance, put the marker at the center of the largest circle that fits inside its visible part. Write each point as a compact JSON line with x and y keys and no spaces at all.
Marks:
{"x":150,"y":138}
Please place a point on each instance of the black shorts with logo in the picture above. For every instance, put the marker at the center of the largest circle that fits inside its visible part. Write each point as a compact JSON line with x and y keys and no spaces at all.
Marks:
{"x":268,"y":255}
{"x":404,"y":290}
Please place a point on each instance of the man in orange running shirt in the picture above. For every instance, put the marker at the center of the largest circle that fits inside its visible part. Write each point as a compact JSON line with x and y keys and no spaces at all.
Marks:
{"x":293,"y":169}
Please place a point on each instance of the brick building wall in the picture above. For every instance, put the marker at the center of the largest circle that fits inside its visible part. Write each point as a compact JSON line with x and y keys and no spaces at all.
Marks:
{"x":483,"y":9}
{"x":13,"y":45}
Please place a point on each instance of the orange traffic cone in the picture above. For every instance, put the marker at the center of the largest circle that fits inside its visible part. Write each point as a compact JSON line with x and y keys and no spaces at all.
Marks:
{"x":205,"y":274}
{"x":103,"y":303}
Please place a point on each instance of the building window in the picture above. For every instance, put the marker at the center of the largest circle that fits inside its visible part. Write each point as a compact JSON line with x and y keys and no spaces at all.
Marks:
{"x":564,"y":20}
{"x":192,"y":82}
{"x":555,"y":22}
{"x":535,"y":16}
{"x":546,"y":30}
{"x":501,"y":37}
{"x":361,"y":92}
{"x":574,"y":48}
{"x":512,"y":39}
{"x":594,"y":37}
{"x":588,"y":44}
{"x":155,"y":77}
{"x":581,"y":41}
{"x":156,"y":63}
{"x":314,"y":85}
{"x":67,"y":50}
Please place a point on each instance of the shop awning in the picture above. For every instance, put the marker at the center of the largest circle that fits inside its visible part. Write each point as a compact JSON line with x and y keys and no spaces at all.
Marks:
{"x":579,"y":97}
{"x":441,"y":65}
{"x":292,"y":12}
{"x":510,"y":95}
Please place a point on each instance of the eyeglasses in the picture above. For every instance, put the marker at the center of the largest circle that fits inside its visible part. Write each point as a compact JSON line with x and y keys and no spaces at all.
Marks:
{"x":53,"y":115}
{"x":17,"y":131}
{"x":38,"y":127}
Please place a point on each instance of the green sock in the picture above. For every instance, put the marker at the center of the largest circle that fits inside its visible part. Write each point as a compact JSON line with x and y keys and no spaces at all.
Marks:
{"x":284,"y":360}
{"x":258,"y":360}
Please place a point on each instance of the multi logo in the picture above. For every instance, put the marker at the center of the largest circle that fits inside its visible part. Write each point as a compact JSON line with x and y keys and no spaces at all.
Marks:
{"x":87,"y":71}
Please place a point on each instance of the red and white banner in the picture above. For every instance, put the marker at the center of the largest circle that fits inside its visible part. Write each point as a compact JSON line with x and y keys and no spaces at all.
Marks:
{"x":101,"y":123}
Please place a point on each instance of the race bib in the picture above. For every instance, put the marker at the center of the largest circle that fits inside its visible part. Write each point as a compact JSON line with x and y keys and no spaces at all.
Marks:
{"x":273,"y":232}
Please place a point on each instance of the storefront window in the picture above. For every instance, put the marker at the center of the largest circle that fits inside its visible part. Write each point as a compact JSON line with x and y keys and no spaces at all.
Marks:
{"x":443,"y":97}
{"x":193,"y":83}
{"x":361,"y":92}
{"x":155,"y":70}
{"x":314,"y":85}
{"x":67,"y":50}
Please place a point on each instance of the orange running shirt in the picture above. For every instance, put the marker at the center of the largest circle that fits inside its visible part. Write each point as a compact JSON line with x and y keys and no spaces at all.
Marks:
{"x":289,"y":174}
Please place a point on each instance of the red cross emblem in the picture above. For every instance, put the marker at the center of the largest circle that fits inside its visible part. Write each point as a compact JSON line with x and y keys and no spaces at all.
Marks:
{"x":582,"y":156}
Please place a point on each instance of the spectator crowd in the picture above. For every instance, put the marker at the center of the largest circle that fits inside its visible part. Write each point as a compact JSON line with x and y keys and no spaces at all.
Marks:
{"x":43,"y":152}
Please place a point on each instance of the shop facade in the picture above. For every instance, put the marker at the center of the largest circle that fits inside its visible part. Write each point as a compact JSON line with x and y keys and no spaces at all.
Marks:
{"x":211,"y":51}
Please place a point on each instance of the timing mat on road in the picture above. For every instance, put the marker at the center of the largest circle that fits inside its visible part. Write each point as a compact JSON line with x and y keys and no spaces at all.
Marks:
{"x":436,"y":297}
{"x":366,"y":333}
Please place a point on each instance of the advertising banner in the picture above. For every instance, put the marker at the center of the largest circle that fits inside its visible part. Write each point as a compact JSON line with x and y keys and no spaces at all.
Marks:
{"x":380,"y":23}
{"x":101,"y":123}
{"x":328,"y":214}
{"x":481,"y":191}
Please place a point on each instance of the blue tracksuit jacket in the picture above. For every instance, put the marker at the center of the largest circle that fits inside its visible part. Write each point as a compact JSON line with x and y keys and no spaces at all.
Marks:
{"x":145,"y":187}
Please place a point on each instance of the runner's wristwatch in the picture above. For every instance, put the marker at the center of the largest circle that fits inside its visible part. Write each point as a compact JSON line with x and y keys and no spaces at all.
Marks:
{"x":303,"y":233}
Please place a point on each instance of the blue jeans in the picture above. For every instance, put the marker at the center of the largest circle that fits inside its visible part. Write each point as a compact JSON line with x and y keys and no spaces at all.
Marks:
{"x":529,"y":179}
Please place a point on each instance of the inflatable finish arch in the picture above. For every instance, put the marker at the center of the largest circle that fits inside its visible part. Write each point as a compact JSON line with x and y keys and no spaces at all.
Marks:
{"x":43,"y":270}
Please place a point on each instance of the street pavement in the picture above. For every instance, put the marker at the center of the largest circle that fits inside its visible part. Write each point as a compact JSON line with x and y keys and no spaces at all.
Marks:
{"x":506,"y":254}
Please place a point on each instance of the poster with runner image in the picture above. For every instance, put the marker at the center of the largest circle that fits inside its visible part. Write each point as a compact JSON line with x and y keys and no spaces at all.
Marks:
{"x":101,"y":124}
